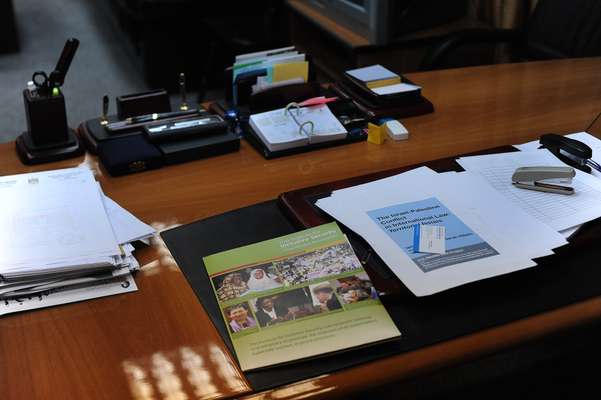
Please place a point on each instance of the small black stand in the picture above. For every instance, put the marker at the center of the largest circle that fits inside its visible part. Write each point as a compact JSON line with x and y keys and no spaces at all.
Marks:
{"x":48,"y":137}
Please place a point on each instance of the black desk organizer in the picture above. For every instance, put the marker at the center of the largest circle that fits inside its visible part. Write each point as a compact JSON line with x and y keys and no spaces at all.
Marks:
{"x":570,"y":276}
{"x":279,"y":97}
{"x":129,"y":152}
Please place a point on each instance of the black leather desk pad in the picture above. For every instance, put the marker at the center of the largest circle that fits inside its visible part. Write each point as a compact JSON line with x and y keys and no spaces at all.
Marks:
{"x":571,"y":276}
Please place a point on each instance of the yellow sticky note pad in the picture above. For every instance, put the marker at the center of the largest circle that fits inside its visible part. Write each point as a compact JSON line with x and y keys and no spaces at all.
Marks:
{"x":375,"y":134}
{"x":283,"y":72}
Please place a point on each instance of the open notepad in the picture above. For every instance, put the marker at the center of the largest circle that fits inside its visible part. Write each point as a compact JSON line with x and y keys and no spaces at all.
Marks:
{"x":295,"y":127}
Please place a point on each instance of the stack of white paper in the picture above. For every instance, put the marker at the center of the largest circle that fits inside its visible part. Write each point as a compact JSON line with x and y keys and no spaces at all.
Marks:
{"x":63,"y":240}
{"x":485,"y":234}
{"x":560,"y":212}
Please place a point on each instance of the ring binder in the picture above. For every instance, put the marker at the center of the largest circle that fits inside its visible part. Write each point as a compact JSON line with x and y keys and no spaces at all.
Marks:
{"x":301,"y":129}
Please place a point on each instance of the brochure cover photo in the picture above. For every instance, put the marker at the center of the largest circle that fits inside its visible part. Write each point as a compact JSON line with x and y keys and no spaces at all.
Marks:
{"x":297,"y":296}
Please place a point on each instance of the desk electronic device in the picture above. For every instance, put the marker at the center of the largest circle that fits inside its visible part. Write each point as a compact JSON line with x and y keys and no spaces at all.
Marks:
{"x":48,"y":137}
{"x":147,"y":133}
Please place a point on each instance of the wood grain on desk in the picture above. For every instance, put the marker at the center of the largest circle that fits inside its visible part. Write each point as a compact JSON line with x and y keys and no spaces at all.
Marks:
{"x":158,"y":343}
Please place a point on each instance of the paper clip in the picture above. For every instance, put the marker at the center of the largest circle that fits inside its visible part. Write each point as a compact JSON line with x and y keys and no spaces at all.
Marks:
{"x":301,"y":126}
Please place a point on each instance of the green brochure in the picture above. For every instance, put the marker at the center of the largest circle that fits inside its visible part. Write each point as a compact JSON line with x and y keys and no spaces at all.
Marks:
{"x":297,"y":296}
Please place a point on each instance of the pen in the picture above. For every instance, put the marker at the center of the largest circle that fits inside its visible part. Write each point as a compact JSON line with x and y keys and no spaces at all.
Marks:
{"x":182,"y":91}
{"x":316,"y":101}
{"x":593,"y":164}
{"x":105,"y":110}
{"x":370,"y":114}
{"x":133,"y":122}
{"x":57,"y":77}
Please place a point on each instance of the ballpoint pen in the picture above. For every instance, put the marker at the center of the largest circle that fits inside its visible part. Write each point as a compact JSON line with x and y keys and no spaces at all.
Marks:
{"x":134,"y":122}
{"x":105,"y":110}
{"x":316,"y":101}
{"x":182,"y":91}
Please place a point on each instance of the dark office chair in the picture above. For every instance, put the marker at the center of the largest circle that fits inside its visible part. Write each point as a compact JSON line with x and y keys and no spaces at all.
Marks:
{"x":249,"y":27}
{"x":9,"y":42}
{"x":556,"y":29}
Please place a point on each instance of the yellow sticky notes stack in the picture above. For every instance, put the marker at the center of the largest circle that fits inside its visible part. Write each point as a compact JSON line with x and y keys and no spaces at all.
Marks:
{"x":286,"y":71}
{"x":383,"y":82}
{"x":375,"y":134}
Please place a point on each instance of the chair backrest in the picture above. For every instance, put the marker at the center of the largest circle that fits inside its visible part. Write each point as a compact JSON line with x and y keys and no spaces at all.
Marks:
{"x":564,"y":28}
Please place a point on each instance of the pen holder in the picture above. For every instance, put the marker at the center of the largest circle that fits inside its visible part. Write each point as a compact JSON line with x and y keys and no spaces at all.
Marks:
{"x":48,"y":137}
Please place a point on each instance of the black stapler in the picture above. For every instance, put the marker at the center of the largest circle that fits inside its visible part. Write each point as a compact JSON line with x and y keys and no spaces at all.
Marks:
{"x":572,"y":152}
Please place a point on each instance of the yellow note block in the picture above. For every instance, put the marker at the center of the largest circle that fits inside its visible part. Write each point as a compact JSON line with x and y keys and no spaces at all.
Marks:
{"x":383,"y":82}
{"x":375,"y":134}
{"x":283,"y":72}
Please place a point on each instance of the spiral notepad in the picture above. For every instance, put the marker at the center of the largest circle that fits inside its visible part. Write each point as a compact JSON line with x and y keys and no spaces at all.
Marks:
{"x":295,"y":126}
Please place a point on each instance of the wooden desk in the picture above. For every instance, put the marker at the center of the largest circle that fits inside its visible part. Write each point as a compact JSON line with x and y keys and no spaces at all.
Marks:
{"x":159,"y":343}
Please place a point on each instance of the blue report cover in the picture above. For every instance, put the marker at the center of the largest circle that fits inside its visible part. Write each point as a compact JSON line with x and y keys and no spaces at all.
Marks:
{"x":462,"y":244}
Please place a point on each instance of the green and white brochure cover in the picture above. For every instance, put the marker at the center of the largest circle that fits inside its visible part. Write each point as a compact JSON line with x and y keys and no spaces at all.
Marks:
{"x":297,"y":296}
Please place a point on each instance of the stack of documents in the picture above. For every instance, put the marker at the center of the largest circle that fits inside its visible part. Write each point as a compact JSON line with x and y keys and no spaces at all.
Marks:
{"x":562,"y":213}
{"x":271,"y":68}
{"x":438,"y":231}
{"x":63,"y":240}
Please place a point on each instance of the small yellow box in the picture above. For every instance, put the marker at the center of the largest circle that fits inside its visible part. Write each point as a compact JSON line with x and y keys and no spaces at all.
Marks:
{"x":375,"y":134}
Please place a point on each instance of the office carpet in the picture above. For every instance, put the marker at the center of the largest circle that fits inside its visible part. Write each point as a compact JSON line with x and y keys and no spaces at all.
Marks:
{"x":103,"y":63}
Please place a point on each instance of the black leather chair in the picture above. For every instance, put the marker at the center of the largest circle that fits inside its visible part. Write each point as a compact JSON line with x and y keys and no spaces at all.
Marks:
{"x":556,"y":29}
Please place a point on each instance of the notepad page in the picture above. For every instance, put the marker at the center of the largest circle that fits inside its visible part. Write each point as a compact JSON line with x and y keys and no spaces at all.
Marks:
{"x":396,"y":88}
{"x":275,"y":127}
{"x":371,"y":73}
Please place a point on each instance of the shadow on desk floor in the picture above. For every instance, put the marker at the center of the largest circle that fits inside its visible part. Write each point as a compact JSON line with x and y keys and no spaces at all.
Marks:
{"x":564,"y":366}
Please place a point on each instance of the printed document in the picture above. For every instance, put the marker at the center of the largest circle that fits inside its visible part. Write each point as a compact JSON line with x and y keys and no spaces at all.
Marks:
{"x":556,"y":210}
{"x":485,"y":234}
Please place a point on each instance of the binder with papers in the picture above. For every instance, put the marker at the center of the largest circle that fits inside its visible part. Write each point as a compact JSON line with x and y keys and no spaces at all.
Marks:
{"x":277,"y":132}
{"x":294,"y":126}
{"x":63,"y":240}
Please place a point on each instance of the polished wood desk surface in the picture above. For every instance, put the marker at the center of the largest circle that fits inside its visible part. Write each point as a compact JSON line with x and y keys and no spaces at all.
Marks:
{"x":158,"y":343}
